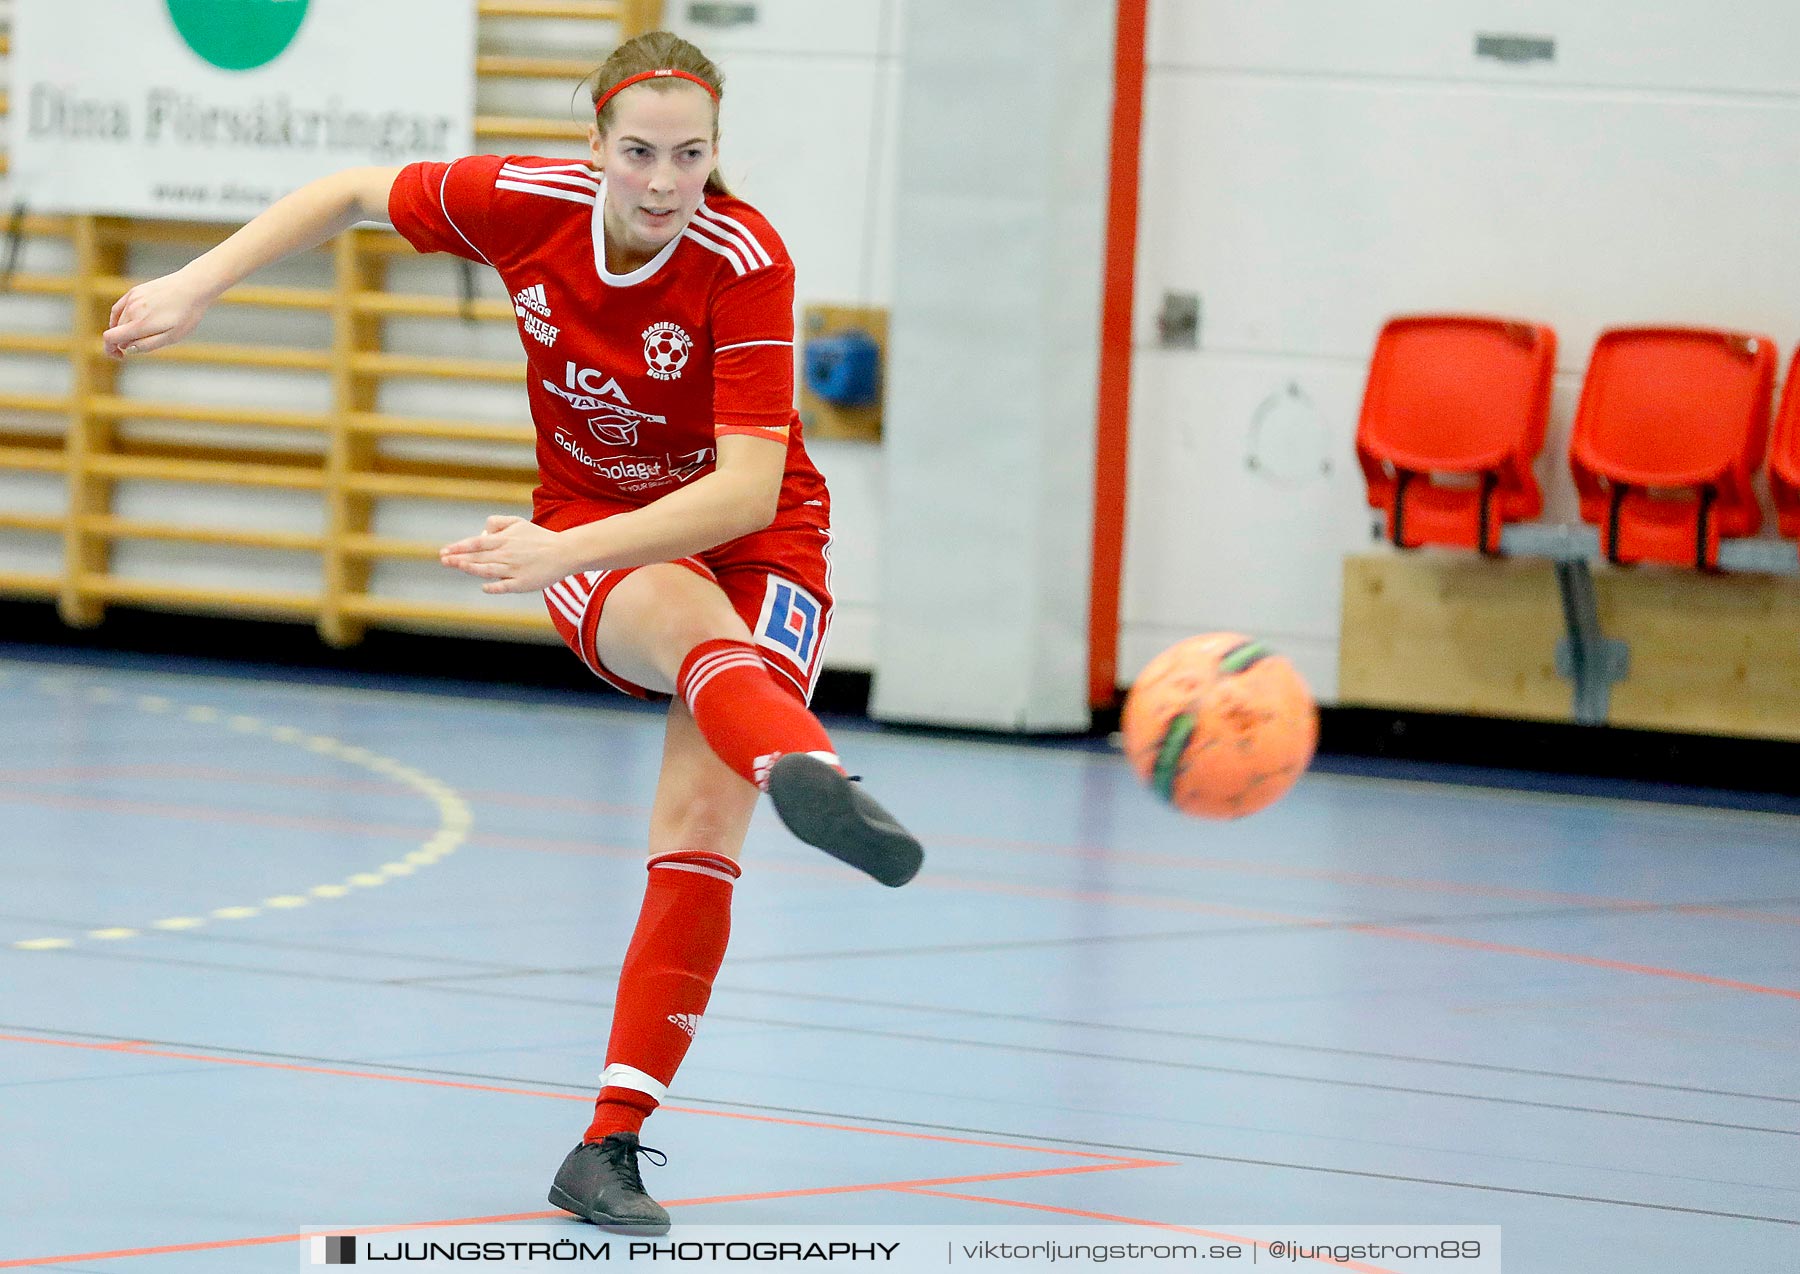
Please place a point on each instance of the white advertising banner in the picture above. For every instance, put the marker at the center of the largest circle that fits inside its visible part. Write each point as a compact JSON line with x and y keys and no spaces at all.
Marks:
{"x":210,"y":110}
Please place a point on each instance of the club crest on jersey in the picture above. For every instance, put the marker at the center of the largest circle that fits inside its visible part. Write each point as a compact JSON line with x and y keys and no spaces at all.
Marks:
{"x":666,"y":350}
{"x":789,"y":623}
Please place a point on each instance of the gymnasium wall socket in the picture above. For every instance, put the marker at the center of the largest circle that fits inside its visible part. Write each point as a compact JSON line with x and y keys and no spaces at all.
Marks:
{"x":1178,"y":321}
{"x":858,"y":417}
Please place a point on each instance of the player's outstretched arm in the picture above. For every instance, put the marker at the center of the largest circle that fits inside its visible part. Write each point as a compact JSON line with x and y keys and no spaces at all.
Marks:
{"x":739,"y":496}
{"x":162,"y":311}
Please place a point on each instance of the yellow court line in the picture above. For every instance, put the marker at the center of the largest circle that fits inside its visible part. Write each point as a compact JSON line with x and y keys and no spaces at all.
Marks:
{"x":454,"y":818}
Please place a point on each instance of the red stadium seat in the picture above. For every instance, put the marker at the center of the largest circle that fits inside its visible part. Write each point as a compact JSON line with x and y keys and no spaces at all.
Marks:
{"x":1670,"y":431}
{"x":1784,"y":455}
{"x":1452,"y":419}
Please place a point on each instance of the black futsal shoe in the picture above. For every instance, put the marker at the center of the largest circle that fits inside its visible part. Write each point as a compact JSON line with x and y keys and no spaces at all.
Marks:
{"x":600,"y":1183}
{"x":829,"y":811}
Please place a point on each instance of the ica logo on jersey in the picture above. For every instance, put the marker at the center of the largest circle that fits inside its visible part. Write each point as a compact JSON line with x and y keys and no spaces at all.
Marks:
{"x":592,"y":384}
{"x":666,"y":350}
{"x":617,"y":425}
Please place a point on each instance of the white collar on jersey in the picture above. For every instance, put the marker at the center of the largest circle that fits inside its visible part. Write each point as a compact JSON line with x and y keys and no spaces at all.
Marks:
{"x":638,"y":275}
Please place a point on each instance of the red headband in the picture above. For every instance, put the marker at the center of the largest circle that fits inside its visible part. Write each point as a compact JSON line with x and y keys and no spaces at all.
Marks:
{"x":665,"y":73}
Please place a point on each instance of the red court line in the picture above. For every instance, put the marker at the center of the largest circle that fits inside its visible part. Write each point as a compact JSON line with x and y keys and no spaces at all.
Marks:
{"x":961,"y":883}
{"x":1110,"y":1163}
{"x":1593,"y":962}
{"x":139,"y":1050}
{"x":902,"y":1186}
{"x":965,"y":884}
{"x":256,"y":1064}
{"x":556,"y":845}
{"x":261,"y":1240}
{"x":304,"y":822}
{"x":1373,"y":930}
{"x":919,"y":1186}
{"x":1128,"y":1220}
{"x":1143,"y":858}
{"x":1406,"y":884}
{"x":211,"y":814}
{"x":278,"y":778}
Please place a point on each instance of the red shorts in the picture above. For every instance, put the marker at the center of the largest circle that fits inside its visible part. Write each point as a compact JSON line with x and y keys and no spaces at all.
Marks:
{"x":778,"y":580}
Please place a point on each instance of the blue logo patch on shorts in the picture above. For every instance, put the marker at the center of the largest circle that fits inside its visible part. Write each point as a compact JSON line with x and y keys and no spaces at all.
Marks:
{"x":789,"y":622}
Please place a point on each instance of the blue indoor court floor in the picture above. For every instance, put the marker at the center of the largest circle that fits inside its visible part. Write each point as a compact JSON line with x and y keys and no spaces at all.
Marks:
{"x":276,"y":955}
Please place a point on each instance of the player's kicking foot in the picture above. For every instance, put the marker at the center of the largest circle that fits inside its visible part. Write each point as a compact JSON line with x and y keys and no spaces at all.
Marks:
{"x":829,"y":811}
{"x":600,"y":1183}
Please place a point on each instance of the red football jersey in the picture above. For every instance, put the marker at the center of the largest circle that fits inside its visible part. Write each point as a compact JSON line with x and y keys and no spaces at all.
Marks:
{"x":632,"y":377}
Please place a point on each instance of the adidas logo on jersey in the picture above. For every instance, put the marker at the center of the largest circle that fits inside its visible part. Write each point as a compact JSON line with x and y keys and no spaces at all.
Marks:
{"x":533,"y":307}
{"x":689,"y":1022}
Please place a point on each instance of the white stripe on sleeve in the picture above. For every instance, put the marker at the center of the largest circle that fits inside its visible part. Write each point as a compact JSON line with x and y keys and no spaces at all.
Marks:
{"x":737,"y":241}
{"x":739,"y":255}
{"x":550,"y":179}
{"x":710,"y":246}
{"x":763,"y":258}
{"x":548,"y":192}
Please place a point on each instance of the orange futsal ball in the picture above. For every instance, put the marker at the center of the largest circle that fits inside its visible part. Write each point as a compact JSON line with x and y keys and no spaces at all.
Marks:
{"x":1219,"y":726}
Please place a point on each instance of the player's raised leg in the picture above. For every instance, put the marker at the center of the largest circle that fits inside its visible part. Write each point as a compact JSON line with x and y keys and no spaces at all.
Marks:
{"x":668,"y":628}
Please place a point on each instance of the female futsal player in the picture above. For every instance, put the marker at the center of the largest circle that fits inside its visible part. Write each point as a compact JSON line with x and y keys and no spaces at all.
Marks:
{"x":679,"y":532}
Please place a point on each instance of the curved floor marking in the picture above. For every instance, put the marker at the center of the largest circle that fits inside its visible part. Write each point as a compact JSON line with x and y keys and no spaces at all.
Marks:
{"x":454,"y":818}
{"x":1181,"y":862}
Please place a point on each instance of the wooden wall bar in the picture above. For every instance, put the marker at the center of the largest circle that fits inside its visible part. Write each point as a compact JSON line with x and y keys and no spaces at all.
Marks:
{"x":339,"y":457}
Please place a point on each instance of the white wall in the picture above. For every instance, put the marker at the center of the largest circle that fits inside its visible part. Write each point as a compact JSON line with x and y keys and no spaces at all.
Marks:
{"x":1312,"y":170}
{"x":995,"y":328}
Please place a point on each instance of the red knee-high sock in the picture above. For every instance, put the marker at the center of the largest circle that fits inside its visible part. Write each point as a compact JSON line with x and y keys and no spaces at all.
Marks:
{"x":744,"y":713}
{"x":669,"y":968}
